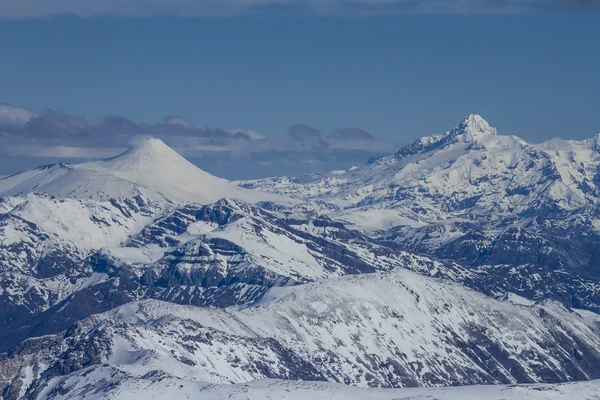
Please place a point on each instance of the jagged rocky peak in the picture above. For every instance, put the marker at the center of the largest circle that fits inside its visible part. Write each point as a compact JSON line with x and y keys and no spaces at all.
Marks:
{"x":596,"y":142}
{"x":472,"y":129}
{"x":474,"y":124}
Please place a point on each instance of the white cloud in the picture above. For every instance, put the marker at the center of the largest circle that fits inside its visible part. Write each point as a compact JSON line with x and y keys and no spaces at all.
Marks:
{"x":179,"y":121}
{"x":61,"y":151}
{"x":15,"y":117}
{"x":235,"y":153}
{"x":250,"y":133}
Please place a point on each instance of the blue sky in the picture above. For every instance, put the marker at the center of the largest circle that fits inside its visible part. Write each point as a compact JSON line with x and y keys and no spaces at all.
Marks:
{"x":533,"y":73}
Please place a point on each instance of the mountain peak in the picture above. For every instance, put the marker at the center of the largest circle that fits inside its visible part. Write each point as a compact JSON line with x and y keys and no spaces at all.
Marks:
{"x":149,"y":153}
{"x":472,"y":128}
{"x":474,"y":125}
{"x":150,"y":145}
{"x":149,"y":167}
{"x":596,"y":142}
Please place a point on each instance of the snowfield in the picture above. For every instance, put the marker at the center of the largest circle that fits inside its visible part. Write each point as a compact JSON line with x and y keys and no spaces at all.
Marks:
{"x":105,"y":383}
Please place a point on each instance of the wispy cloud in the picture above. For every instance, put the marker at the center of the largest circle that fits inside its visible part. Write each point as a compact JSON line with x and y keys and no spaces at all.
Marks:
{"x":23,"y":127}
{"x":15,"y":117}
{"x":16,"y":9}
{"x":54,"y":134}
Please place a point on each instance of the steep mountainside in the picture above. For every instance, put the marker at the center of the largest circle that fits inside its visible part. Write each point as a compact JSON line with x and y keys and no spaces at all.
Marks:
{"x":223,"y":254}
{"x":475,"y":197}
{"x":392,"y":329}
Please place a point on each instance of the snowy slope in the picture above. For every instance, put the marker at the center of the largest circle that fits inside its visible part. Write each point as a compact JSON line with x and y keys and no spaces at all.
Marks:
{"x":233,"y":240}
{"x":8,"y":203}
{"x":38,"y":225}
{"x":150,"y":168}
{"x":65,"y":259}
{"x":467,"y":169}
{"x":393,"y":329}
{"x":103,"y":254}
{"x":473,"y":196}
{"x":44,"y":242}
{"x":105,"y":383}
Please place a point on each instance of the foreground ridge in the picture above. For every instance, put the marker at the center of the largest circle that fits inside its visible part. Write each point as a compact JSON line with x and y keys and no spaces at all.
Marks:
{"x":392,"y":329}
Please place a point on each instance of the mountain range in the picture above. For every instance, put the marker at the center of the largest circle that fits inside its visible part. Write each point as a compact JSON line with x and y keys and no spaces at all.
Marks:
{"x":465,"y":258}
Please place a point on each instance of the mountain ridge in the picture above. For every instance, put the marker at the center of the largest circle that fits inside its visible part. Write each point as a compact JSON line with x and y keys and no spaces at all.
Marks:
{"x":391,"y":329}
{"x":467,"y":170}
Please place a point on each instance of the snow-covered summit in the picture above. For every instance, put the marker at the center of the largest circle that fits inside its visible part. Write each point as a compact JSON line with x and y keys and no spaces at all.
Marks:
{"x":469,"y":168}
{"x":475,"y":124}
{"x":472,"y":130}
{"x":146,"y":153}
{"x":150,"y":168}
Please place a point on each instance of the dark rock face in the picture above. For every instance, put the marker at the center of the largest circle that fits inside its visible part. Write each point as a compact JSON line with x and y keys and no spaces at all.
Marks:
{"x":538,"y":258}
{"x":516,"y":246}
{"x":120,"y":286}
{"x":164,"y":229}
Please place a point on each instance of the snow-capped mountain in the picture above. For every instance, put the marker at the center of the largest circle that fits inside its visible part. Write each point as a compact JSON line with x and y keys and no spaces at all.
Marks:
{"x":467,"y":169}
{"x":44,"y":242}
{"x":150,"y":169}
{"x":222,"y":254}
{"x":473,"y":196}
{"x":392,"y":329}
{"x":466,"y":257}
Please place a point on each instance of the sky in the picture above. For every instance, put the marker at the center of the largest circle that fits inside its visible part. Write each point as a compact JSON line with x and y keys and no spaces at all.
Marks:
{"x":396,"y":69}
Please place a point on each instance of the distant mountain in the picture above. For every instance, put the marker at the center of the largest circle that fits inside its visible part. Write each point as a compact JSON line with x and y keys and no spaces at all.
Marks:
{"x":476,"y":197}
{"x":150,"y":169}
{"x":467,"y":170}
{"x":465,"y":258}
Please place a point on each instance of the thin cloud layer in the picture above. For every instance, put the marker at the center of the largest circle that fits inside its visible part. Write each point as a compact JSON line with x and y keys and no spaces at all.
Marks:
{"x":21,"y":9}
{"x":233,"y":153}
{"x":306,"y":137}
{"x":353,"y":138}
{"x":20,"y":126}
